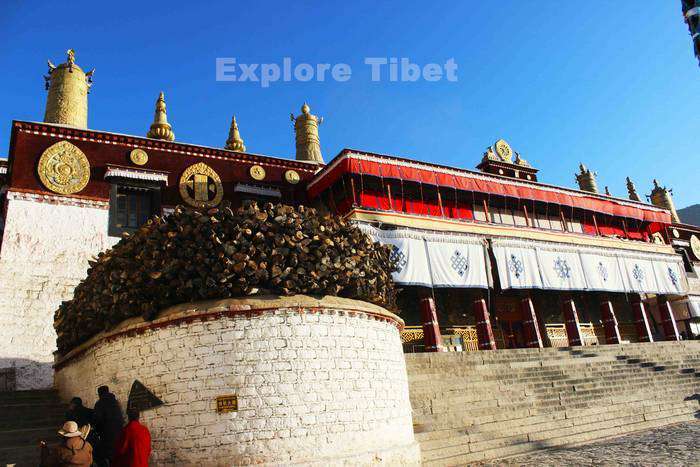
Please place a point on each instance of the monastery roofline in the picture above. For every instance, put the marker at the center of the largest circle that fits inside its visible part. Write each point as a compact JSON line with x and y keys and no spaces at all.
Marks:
{"x":145,"y":142}
{"x":346,"y":151}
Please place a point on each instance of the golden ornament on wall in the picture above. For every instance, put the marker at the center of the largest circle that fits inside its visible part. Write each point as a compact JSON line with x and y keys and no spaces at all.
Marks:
{"x":292,"y":176}
{"x":63,"y":168}
{"x":257,"y":172}
{"x":695,"y":246}
{"x":503,"y":149}
{"x":200,"y":186}
{"x":138,"y":156}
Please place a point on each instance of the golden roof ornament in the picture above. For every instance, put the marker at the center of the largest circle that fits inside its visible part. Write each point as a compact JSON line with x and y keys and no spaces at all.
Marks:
{"x":632,"y":190}
{"x":68,"y":86}
{"x":234,"y":141}
{"x":586,"y":180}
{"x":503,"y":150}
{"x":661,"y":197}
{"x":308,"y":144}
{"x":160,"y":128}
{"x":520,"y":161}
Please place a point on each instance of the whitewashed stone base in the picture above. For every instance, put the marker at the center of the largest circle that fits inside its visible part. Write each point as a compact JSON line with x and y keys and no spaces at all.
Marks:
{"x":319,"y":382}
{"x":46,"y":244}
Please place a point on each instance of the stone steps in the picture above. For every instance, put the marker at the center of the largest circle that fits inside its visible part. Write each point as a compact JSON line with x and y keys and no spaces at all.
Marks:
{"x":27,"y":417}
{"x":474,"y":407}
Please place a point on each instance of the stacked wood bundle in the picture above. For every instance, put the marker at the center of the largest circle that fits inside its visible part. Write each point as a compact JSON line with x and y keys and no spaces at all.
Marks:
{"x":197,"y":255}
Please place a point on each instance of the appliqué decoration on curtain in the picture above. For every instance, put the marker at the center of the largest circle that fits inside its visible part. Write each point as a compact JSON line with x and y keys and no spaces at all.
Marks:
{"x":459,"y":263}
{"x":638,"y":273}
{"x":562,"y":268}
{"x":673,"y":276}
{"x":399,"y":257}
{"x":516,"y":266}
{"x":603,"y":271}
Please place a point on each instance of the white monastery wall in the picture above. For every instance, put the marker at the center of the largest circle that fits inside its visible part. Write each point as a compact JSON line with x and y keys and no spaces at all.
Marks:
{"x":318,"y":382}
{"x":47,"y":242}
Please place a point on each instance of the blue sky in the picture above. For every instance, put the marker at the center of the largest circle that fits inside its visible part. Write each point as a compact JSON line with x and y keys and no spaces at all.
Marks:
{"x":610,"y":84}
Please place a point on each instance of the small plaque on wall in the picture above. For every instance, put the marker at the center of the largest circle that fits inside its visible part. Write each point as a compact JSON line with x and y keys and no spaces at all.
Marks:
{"x":227,"y":403}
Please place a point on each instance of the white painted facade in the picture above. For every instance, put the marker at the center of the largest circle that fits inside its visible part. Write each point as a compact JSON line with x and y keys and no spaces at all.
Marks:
{"x":47,"y":241}
{"x":319,"y":382}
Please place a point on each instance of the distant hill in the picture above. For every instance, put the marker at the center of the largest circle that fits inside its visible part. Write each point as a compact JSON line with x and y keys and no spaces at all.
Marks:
{"x":690,"y":215}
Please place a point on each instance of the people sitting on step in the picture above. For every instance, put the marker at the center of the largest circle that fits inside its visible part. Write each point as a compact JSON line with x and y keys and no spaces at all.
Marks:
{"x":108,"y":422}
{"x":72,"y":451}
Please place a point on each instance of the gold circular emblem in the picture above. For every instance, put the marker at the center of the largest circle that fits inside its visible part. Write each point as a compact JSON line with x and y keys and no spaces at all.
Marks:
{"x":503,"y":149}
{"x":292,"y":176}
{"x":257,"y":172}
{"x":676,"y":233}
{"x":200,"y":186}
{"x":695,"y":246}
{"x":63,"y":168}
{"x":138,"y":156}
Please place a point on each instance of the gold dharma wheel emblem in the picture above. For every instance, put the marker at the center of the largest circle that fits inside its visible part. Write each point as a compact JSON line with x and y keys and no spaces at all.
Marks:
{"x":257,"y":172}
{"x":503,"y":149}
{"x":200,"y":186}
{"x":695,"y":246}
{"x":138,"y":156}
{"x":292,"y":176}
{"x":63,"y":168}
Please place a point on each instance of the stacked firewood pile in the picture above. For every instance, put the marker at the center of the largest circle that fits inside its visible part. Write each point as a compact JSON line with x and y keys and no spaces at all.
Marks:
{"x":197,"y":255}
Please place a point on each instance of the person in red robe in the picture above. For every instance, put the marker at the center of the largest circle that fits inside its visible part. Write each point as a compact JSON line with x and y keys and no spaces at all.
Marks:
{"x":133,"y":445}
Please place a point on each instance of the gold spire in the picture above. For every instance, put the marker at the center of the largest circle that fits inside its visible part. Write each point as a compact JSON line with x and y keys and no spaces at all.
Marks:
{"x":661,"y":197}
{"x":632,"y":191}
{"x":160,"y":128}
{"x":68,"y":86}
{"x":306,"y":133}
{"x":586,"y":180}
{"x":234,"y":141}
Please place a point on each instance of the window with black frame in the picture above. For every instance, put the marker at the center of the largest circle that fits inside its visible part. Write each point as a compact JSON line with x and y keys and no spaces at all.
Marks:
{"x":131,"y":206}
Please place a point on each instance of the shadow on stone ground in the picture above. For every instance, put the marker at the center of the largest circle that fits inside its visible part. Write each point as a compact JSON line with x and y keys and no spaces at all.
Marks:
{"x":670,"y":445}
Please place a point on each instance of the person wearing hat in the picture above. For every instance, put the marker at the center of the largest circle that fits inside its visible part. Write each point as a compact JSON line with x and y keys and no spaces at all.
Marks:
{"x":72,"y":451}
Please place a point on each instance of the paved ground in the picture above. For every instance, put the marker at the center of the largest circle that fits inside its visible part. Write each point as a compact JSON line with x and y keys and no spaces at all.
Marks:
{"x":671,"y":445}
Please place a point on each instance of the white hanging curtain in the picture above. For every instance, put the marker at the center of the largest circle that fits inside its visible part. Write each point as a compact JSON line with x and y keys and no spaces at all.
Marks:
{"x":434,"y":260}
{"x":670,"y":277}
{"x":517,"y":265}
{"x":603,"y":272}
{"x":561,"y":270}
{"x":456,"y":264}
{"x":524,"y":264}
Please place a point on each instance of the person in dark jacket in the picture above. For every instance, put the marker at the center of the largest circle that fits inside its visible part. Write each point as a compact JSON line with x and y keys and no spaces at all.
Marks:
{"x":83,"y":416}
{"x":79,"y":413}
{"x":108,"y":422}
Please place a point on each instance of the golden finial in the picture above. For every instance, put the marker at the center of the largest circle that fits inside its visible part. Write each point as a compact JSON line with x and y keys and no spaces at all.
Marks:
{"x":160,"y":128}
{"x":306,"y":132}
{"x":70,"y":58}
{"x":632,"y":190}
{"x":234,"y":141}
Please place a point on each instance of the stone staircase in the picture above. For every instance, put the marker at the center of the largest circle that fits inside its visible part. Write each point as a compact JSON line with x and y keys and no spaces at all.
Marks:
{"x":27,"y":417}
{"x":473,"y":406}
